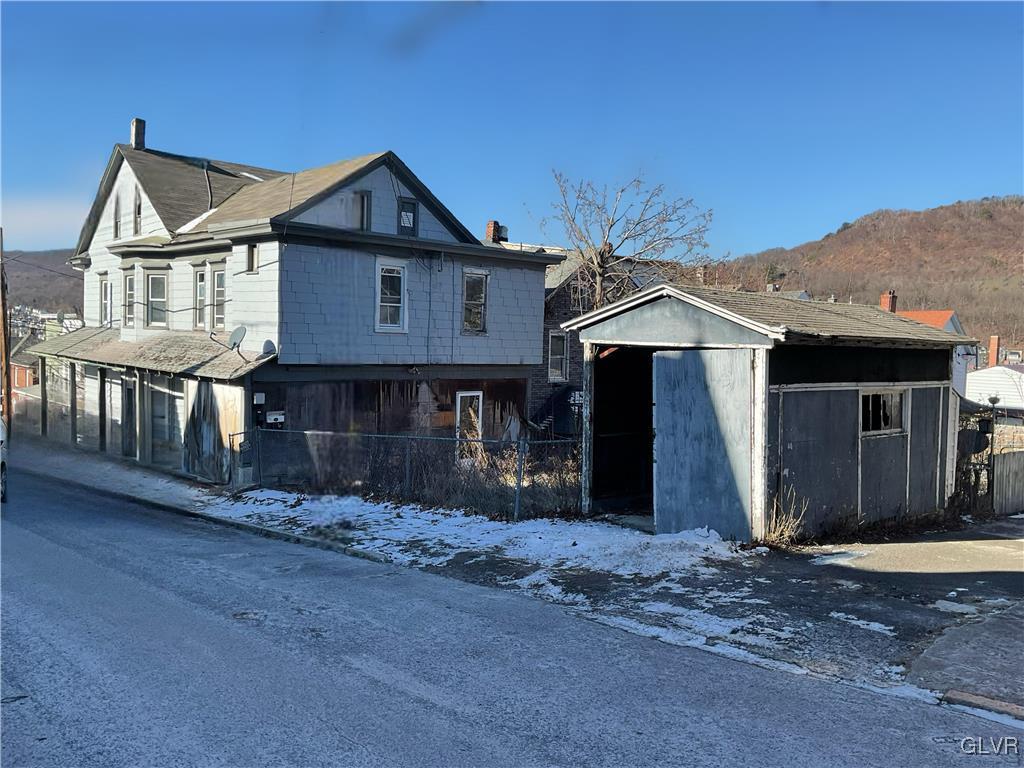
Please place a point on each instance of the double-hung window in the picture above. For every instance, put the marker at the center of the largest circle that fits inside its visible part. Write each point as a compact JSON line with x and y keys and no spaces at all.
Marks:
{"x":199,"y":306}
{"x":391,"y":309}
{"x":252,"y":257}
{"x":129,"y":301}
{"x":881,"y":411}
{"x":156,"y":300}
{"x":364,"y":210}
{"x":558,"y":356}
{"x":408,"y":216}
{"x":219,"y":299}
{"x":117,"y":218}
{"x":104,"y":301}
{"x":474,"y":302}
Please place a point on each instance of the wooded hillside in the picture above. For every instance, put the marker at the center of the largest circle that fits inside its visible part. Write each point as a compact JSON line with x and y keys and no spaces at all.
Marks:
{"x":968,"y":256}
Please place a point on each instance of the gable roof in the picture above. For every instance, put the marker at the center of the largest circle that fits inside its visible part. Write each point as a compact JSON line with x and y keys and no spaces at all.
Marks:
{"x":787,"y":320}
{"x":289,"y":195}
{"x":179,"y":187}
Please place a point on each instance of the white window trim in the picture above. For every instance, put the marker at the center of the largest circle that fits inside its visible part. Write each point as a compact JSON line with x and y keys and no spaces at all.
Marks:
{"x":106,"y":310}
{"x":565,"y":356}
{"x":255,"y":264}
{"x":167,"y":300}
{"x":202,"y":311}
{"x":128,"y":307}
{"x":458,"y":410}
{"x":486,"y":274}
{"x":904,"y":402}
{"x":211,"y":297}
{"x":385,"y":261}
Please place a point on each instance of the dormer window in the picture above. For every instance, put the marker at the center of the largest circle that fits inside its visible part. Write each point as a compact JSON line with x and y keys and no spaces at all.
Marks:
{"x":407,"y":217}
{"x":137,"y":213}
{"x":117,"y":218}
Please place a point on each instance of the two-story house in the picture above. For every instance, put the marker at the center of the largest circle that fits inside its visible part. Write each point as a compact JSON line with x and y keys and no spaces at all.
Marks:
{"x":220,"y":296}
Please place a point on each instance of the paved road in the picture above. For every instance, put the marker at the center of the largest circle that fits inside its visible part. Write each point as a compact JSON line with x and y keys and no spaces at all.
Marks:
{"x":135,"y":637}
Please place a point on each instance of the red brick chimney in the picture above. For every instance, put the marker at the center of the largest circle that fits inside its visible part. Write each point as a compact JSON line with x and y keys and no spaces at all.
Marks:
{"x":888,"y":301}
{"x":495,"y":233}
{"x":993,"y":351}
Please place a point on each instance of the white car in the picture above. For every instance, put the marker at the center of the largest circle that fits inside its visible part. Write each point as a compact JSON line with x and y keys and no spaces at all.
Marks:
{"x":3,"y":461}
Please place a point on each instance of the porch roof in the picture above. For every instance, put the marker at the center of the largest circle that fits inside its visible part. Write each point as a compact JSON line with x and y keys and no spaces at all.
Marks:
{"x":176,"y":353}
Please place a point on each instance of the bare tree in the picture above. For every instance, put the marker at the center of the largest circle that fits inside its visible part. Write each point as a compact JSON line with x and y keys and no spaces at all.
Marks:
{"x":615,"y":230}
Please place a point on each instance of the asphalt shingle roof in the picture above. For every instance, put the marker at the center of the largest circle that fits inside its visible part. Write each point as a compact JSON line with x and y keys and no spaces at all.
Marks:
{"x":177,"y":184}
{"x":798,"y":319}
{"x":179,"y":353}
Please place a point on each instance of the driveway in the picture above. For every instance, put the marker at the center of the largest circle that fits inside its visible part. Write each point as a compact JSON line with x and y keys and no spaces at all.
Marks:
{"x":136,"y":637}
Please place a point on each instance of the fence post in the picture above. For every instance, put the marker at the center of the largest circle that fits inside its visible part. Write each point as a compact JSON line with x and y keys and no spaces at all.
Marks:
{"x":520,"y":463}
{"x":258,"y":463}
{"x":408,"y":467}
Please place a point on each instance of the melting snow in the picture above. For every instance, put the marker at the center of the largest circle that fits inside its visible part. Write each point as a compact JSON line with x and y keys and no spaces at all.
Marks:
{"x":874,"y":626}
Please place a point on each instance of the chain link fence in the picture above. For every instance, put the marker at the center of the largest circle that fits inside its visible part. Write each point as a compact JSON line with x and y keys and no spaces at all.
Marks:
{"x":503,"y":479}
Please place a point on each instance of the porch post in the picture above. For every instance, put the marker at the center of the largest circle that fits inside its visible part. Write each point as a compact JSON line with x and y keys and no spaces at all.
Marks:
{"x":44,"y":398}
{"x":101,"y":378}
{"x":73,"y":400}
{"x":587,"y":447}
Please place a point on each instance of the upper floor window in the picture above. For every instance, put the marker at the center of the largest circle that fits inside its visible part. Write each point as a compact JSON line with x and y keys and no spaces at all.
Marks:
{"x":252,"y":257}
{"x":137,"y":213}
{"x":474,"y":302}
{"x":408,"y":216}
{"x":881,"y":411}
{"x":117,"y":218}
{"x":364,"y":210}
{"x":558,"y":356}
{"x":129,"y":301}
{"x":199,"y":305}
{"x":219,"y":298}
{"x":156,"y":300}
{"x":391,"y":310}
{"x":105,"y":301}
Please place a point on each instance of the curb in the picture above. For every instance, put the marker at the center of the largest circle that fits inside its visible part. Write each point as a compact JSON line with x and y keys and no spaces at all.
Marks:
{"x":965,"y":699}
{"x":258,"y":530}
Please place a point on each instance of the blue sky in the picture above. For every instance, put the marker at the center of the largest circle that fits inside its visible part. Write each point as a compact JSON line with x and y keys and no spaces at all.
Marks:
{"x":786,"y":120}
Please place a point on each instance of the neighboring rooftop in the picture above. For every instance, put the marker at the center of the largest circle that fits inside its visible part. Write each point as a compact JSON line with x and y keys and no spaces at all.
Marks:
{"x":936,"y":318}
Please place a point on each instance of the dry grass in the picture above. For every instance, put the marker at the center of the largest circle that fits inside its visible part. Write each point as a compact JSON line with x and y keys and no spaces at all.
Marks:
{"x":786,"y":522}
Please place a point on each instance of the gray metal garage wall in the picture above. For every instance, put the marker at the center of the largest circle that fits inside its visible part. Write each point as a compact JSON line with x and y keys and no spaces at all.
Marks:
{"x":883,"y":474}
{"x":819,"y":435}
{"x":702,"y":441}
{"x":925,"y":415}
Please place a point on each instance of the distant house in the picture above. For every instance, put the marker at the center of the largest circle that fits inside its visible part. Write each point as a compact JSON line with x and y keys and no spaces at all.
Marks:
{"x":705,"y":407}
{"x":1003,"y":381}
{"x":798,"y":293}
{"x":219,"y":297}
{"x":947,"y":320}
{"x":24,"y":366}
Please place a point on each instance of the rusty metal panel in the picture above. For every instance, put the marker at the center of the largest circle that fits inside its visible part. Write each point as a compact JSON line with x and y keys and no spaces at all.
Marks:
{"x":702,"y":422}
{"x":925,"y":434}
{"x":819,"y":435}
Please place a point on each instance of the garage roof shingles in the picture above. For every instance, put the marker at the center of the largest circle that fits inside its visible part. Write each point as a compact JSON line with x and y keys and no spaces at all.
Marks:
{"x":177,"y":353}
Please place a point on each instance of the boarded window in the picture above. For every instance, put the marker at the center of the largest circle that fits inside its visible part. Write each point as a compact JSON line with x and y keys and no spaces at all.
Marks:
{"x":129,"y":301}
{"x":558,"y":356}
{"x":156,"y":300}
{"x":390,"y":296}
{"x":881,"y":412}
{"x":219,"y":298}
{"x":474,"y":307}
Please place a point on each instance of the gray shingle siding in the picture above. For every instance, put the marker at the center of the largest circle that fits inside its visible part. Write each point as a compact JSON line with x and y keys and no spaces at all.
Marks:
{"x":328,"y":311}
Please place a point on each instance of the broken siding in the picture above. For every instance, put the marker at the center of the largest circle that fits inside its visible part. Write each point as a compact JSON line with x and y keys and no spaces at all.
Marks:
{"x":341,"y":208}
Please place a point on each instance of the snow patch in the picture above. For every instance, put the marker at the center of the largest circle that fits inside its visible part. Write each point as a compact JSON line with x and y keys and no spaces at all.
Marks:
{"x":874,"y":626}
{"x":949,"y":607}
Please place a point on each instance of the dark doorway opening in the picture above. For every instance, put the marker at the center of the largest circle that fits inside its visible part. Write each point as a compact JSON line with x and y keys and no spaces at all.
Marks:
{"x":623,"y":431}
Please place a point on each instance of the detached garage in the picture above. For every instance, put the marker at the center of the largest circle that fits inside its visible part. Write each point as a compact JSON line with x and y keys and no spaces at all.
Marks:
{"x":706,"y":407}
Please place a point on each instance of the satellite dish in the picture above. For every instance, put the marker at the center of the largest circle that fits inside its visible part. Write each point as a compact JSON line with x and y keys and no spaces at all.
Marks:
{"x":235,"y":339}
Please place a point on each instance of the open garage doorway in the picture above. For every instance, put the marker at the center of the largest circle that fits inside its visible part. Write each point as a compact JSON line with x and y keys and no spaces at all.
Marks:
{"x":623,"y":433}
